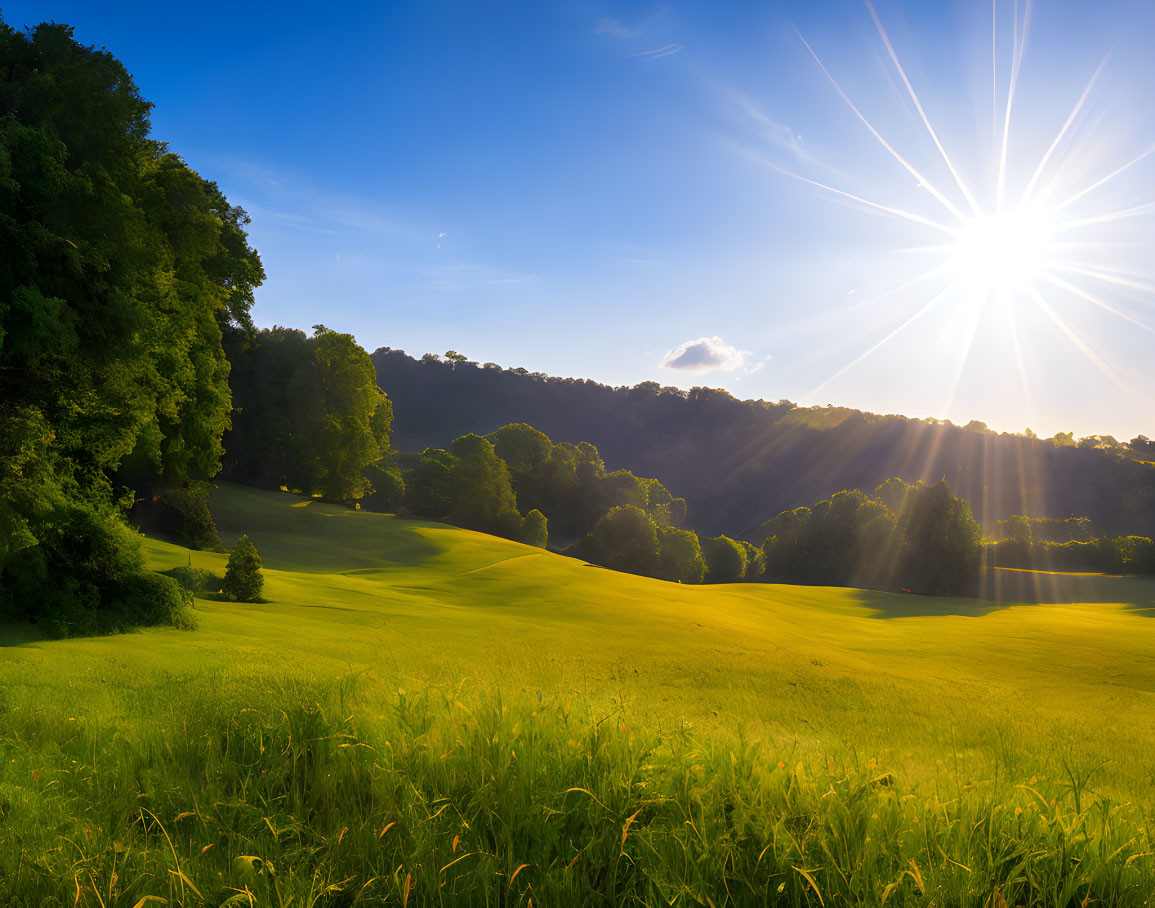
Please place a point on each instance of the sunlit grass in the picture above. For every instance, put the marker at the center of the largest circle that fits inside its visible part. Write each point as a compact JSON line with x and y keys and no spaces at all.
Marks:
{"x":749,"y":730}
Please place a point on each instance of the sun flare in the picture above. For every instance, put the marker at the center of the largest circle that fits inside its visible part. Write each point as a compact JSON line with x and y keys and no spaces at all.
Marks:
{"x":996,"y":246}
{"x":1009,"y":250}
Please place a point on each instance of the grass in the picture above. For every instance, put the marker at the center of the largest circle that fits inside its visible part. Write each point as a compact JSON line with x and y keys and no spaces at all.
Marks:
{"x":425,"y":715}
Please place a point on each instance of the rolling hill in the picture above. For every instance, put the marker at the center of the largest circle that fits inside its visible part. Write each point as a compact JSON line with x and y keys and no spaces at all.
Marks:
{"x":368,"y":614}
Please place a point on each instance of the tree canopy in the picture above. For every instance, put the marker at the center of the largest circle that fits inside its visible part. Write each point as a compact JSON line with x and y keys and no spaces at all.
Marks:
{"x":121,"y":268}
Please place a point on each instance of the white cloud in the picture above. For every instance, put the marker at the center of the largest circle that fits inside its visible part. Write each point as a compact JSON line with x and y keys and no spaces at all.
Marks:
{"x":706,"y":354}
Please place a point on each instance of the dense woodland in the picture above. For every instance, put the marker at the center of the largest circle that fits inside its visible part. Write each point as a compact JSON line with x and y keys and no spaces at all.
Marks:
{"x":131,"y":376}
{"x":737,"y":462}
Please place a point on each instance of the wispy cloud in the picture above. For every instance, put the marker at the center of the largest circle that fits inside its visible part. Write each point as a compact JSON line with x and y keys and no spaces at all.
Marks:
{"x":659,"y":52}
{"x":706,"y":354}
{"x":615,"y":28}
{"x":467,"y":276}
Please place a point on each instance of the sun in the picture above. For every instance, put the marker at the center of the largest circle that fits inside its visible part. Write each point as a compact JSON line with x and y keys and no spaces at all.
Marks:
{"x":1022,"y":236}
{"x":1008,"y":250}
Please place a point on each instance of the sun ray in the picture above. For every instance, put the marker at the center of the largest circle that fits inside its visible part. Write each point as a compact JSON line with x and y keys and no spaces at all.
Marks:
{"x":922,"y":113}
{"x":1019,"y":46}
{"x":1106,"y":277}
{"x":878,"y":297}
{"x":1081,"y":345}
{"x":897,"y":212}
{"x":1020,"y":361}
{"x":1084,"y":295}
{"x":926,"y":307}
{"x":1121,"y":214}
{"x":1062,"y":132}
{"x":910,"y":168}
{"x":1114,"y":173}
{"x":994,"y":74}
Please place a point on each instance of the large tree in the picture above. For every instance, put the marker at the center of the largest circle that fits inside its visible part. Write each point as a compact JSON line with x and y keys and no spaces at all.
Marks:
{"x":120,"y":267}
{"x":309,"y":413}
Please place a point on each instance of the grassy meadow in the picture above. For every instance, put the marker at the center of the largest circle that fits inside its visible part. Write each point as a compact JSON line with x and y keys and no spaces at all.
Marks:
{"x":422,"y":715}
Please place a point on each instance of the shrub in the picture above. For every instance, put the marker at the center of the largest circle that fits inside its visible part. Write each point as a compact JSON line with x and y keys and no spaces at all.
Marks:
{"x":243,"y":580}
{"x":195,"y":580}
{"x":83,"y":573}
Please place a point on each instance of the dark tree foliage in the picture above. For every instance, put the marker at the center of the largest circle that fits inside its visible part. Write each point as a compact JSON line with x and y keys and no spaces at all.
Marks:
{"x":679,"y":556}
{"x":625,"y":539}
{"x":937,"y":543}
{"x":755,"y":561}
{"x":387,"y":484}
{"x":918,"y":538}
{"x":120,"y":267}
{"x":1046,"y":529}
{"x":725,"y":559}
{"x":483,"y":497}
{"x":1121,"y":555}
{"x":845,"y":541}
{"x":737,"y":461}
{"x":535,"y":529}
{"x":310,"y":416}
{"x":429,"y":487}
{"x":243,"y":579}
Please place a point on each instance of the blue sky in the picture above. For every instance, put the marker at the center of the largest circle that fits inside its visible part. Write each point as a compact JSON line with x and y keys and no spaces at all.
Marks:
{"x":604,"y":190}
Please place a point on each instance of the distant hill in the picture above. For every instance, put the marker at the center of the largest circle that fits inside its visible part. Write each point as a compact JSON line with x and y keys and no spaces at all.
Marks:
{"x":738,"y":462}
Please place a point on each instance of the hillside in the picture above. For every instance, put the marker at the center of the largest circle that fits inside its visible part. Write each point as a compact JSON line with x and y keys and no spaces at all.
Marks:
{"x":421,"y":714}
{"x":425,"y":604}
{"x":739,"y":462}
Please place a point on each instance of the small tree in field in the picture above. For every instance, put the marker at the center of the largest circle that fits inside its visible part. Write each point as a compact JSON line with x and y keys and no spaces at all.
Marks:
{"x":243,"y":580}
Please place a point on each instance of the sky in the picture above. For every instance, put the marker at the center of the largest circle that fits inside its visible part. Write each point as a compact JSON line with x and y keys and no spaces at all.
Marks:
{"x":739,"y":195}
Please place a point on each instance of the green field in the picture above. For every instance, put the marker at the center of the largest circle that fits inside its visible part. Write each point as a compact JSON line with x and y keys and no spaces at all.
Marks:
{"x":526,"y":704}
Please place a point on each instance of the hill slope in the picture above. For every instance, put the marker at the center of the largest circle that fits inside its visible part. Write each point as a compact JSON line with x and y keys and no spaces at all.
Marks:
{"x":417,"y":604}
{"x":410,"y":687}
{"x":739,"y":462}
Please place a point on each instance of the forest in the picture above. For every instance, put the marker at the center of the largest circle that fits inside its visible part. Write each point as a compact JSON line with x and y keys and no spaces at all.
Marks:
{"x":737,"y":461}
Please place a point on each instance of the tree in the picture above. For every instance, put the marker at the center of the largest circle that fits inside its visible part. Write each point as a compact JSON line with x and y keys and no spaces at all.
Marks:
{"x":429,"y":487}
{"x":755,"y":561}
{"x":121,"y":267}
{"x":679,"y":556}
{"x":625,"y":539}
{"x":243,"y":580}
{"x":311,"y":416}
{"x":937,"y":543}
{"x":387,"y":484}
{"x":524,"y":449}
{"x":725,"y":559}
{"x":535,"y":529}
{"x":342,"y":418}
{"x":482,"y":493}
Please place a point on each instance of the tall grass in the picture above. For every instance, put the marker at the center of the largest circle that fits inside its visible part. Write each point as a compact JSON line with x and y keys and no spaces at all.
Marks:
{"x":300,"y":795}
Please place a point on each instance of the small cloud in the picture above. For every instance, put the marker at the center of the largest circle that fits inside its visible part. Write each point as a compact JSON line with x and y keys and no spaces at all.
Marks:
{"x":659,"y":52}
{"x":614,"y":27}
{"x":706,"y":354}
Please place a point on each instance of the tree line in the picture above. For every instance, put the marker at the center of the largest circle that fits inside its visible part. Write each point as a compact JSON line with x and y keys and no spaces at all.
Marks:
{"x":736,"y":461}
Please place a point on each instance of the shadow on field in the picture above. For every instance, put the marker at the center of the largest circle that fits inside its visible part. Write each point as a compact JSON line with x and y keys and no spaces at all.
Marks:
{"x":1013,"y":585}
{"x":1003,"y":587}
{"x":300,"y":534}
{"x":902,"y":605}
